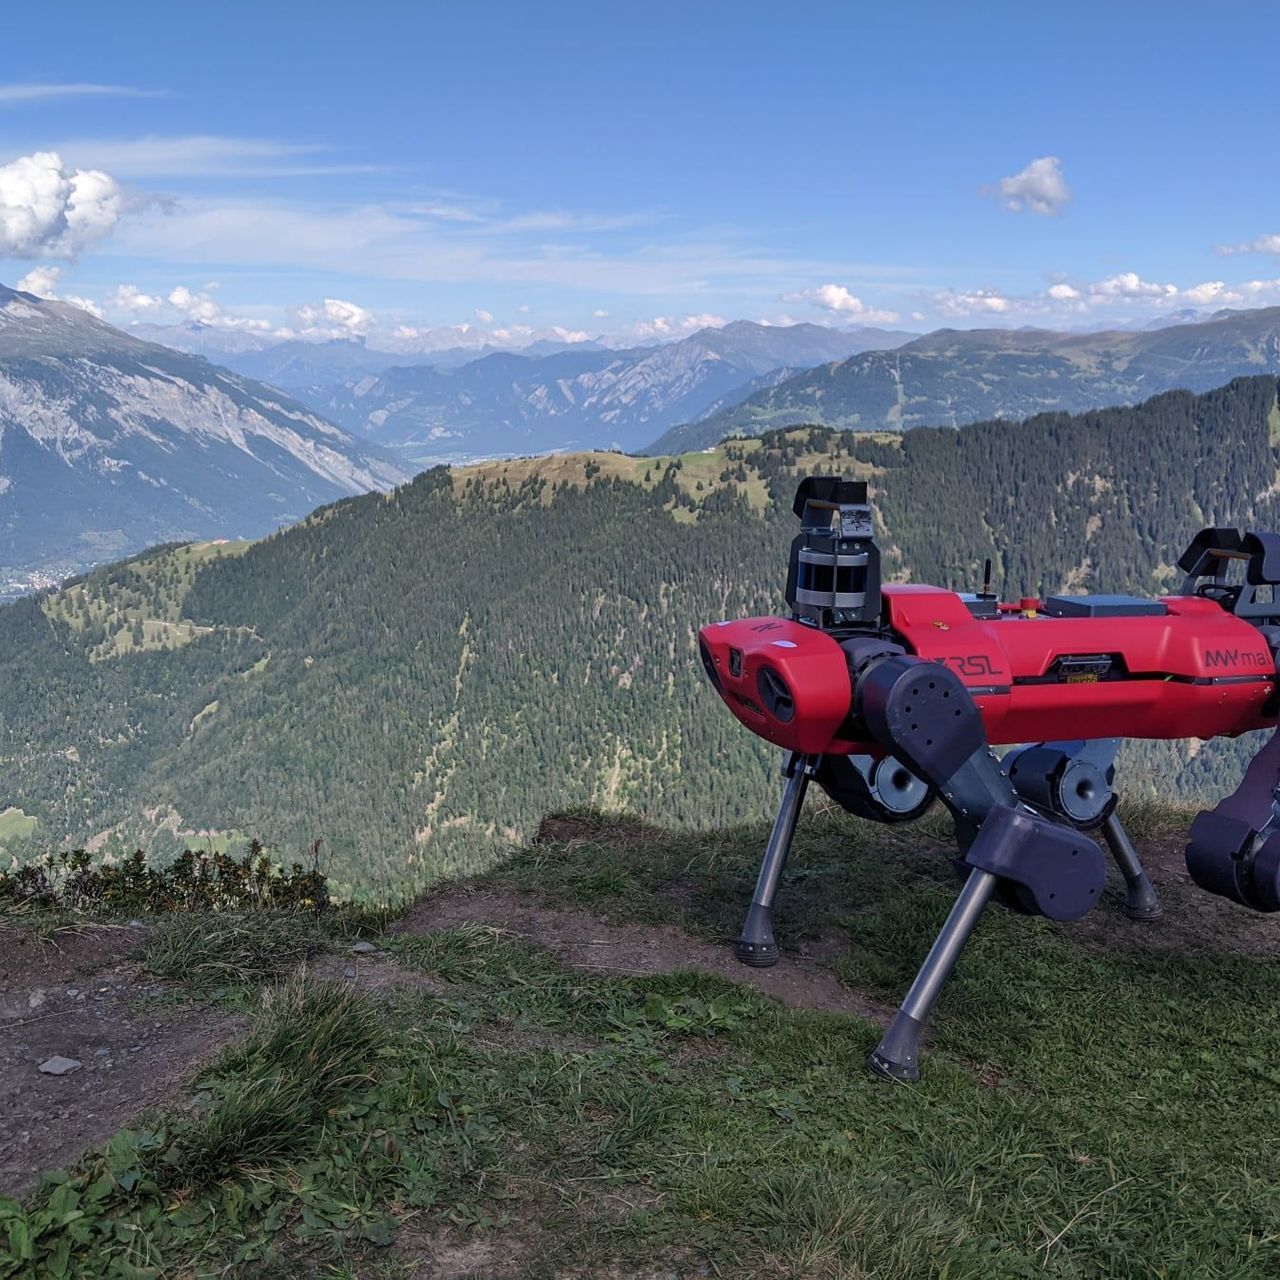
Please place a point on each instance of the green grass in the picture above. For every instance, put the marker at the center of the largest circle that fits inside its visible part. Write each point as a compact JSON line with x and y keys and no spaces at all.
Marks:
{"x":216,"y":952}
{"x":1084,"y":1112}
{"x":139,"y":602}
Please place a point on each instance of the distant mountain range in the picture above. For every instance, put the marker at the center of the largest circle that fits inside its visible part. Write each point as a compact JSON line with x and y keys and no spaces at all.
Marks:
{"x":109,"y":444}
{"x":583,"y":396}
{"x":954,"y":377}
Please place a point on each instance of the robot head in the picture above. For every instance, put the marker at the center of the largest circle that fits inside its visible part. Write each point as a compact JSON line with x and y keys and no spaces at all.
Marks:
{"x":833,"y":579}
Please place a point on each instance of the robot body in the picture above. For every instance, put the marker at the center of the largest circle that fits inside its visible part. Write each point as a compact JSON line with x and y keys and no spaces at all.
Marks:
{"x":890,"y":697}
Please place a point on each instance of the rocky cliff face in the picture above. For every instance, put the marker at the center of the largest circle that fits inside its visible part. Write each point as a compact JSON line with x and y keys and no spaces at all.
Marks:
{"x":108,"y":444}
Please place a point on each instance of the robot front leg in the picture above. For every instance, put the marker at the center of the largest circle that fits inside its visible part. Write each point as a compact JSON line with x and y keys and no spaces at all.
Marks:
{"x":755,"y":945}
{"x":897,"y":1056}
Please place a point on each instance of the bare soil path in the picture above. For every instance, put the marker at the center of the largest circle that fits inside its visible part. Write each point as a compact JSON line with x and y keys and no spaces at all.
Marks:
{"x":78,"y":996}
{"x":583,"y":940}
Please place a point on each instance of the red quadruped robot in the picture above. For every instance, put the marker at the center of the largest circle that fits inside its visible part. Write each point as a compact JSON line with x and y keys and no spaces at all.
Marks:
{"x":891,"y":696}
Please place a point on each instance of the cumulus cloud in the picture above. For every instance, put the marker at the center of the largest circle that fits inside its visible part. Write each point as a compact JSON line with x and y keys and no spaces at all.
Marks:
{"x":838,"y":300}
{"x":1123,"y":295}
{"x":1040,"y":188}
{"x":675,"y":327}
{"x":485,"y":317}
{"x":202,"y":308}
{"x":42,"y":281}
{"x":600,"y":313}
{"x":1259,"y":244}
{"x":49,"y":210}
{"x":1128,"y":284}
{"x":128,"y":297}
{"x":335,"y":318}
{"x":973,"y":302}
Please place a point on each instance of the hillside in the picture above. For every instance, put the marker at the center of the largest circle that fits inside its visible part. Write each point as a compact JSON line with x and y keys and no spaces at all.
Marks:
{"x":109,"y":444}
{"x":581,"y":397}
{"x":414,"y":678}
{"x":954,"y":377}
{"x":559,"y":1070}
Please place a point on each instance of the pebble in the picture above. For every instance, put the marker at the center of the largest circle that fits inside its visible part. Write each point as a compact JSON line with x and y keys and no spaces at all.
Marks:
{"x":102,"y":1053}
{"x":59,"y":1066}
{"x":363,"y":948}
{"x":348,"y":973}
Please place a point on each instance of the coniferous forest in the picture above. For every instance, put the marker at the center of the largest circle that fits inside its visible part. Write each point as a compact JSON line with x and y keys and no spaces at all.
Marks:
{"x":413,"y":679}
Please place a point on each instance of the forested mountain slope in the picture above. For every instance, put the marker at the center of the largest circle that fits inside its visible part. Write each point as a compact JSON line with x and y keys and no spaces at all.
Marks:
{"x":954,"y":377}
{"x":416,"y":677}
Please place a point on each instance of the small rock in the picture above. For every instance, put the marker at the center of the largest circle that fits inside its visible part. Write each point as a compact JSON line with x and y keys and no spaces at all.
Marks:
{"x":73,"y":992}
{"x":102,"y":1053}
{"x":348,"y":973}
{"x":59,"y":1066}
{"x":136,"y":924}
{"x":363,"y":948}
{"x":35,"y":999}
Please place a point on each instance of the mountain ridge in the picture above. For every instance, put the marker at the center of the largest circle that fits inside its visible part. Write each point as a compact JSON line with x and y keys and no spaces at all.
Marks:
{"x":952,"y":377}
{"x":513,"y":403}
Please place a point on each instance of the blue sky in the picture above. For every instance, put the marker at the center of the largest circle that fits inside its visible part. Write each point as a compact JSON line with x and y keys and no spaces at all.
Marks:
{"x":639,"y":169}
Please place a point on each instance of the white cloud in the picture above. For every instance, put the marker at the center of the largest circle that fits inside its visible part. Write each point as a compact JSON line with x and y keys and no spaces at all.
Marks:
{"x":837,"y":299}
{"x":128,"y":297}
{"x":974,"y":302}
{"x":600,"y":313}
{"x":485,"y":317}
{"x":1259,"y":244}
{"x":201,"y":308}
{"x":674,"y":327}
{"x":1121,"y":296}
{"x":85,"y":304}
{"x":1039,"y":188}
{"x":524,"y":309}
{"x":1128,"y":284}
{"x":47,"y":92}
{"x":335,"y":318}
{"x":42,"y":281}
{"x":49,"y":210}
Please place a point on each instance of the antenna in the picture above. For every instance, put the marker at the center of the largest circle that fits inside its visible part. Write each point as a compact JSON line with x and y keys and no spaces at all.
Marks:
{"x":986,"y":577}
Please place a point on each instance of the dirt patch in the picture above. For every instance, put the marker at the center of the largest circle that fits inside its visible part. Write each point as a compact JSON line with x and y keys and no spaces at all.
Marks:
{"x":448,"y":1255}
{"x":78,"y":997}
{"x":1194,"y":923}
{"x":514,"y":1255}
{"x":568,"y":828}
{"x":378,"y":973}
{"x":581,"y":940}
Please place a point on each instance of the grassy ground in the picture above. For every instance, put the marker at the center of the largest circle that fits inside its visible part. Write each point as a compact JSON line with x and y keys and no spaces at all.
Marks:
{"x":1091,"y":1106}
{"x":699,"y":475}
{"x":140,"y":609}
{"x":15,"y":825}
